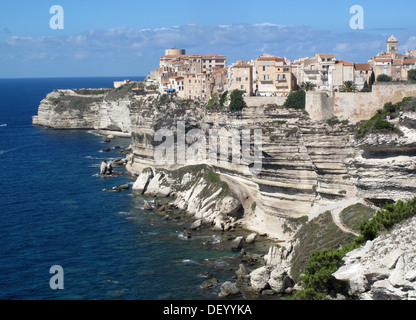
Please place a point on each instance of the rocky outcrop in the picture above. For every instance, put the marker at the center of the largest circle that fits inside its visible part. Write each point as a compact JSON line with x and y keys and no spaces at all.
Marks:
{"x":199,"y":192}
{"x":385,"y":268}
{"x":275,"y":274}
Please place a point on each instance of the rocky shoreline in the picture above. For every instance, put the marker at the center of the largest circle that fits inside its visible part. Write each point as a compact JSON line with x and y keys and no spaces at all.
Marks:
{"x":264,"y":266}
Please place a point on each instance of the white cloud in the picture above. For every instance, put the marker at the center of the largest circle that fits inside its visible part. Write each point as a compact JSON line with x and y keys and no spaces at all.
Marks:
{"x":138,"y":49}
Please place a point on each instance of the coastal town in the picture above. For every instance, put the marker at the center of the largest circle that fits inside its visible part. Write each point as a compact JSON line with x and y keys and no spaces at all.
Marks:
{"x":200,"y":76}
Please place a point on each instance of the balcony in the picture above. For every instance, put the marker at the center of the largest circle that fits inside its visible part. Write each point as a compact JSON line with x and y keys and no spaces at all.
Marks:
{"x":311,"y":71}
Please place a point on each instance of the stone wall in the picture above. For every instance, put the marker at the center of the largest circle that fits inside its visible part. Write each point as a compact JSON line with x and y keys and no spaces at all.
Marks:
{"x":356,"y":106}
{"x":261,"y":101}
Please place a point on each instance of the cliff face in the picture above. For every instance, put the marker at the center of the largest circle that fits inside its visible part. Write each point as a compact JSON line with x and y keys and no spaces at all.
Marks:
{"x":305,"y":165}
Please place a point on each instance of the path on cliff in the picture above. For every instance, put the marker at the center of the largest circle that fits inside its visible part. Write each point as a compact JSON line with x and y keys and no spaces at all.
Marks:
{"x":336,"y":209}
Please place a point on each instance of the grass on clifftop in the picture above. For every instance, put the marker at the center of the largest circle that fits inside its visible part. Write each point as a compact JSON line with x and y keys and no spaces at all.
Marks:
{"x":353,"y":216}
{"x":318,"y":234}
{"x":73,"y":103}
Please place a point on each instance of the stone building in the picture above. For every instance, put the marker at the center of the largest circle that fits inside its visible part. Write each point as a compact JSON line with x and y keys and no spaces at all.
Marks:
{"x":393,"y":63}
{"x":218,"y":81}
{"x":240,"y":76}
{"x":196,"y":86}
{"x":273,"y":76}
{"x":316,"y":70}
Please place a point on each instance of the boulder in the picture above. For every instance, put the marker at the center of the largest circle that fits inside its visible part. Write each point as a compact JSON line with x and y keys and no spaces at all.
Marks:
{"x":196,"y":225}
{"x":251,"y":238}
{"x":119,"y":188}
{"x":242,"y":271}
{"x":237,"y":243}
{"x":229,"y":206}
{"x":279,"y":280}
{"x":106,"y":168}
{"x":229,"y":289}
{"x":210,"y":283}
{"x":259,"y":278}
{"x":147,"y":205}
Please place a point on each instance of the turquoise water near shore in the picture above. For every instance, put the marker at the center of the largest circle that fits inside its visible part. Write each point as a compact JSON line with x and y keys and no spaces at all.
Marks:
{"x":53,"y":211}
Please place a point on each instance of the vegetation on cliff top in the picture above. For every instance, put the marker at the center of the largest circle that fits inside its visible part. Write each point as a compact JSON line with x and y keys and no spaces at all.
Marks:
{"x":318,"y":234}
{"x":67,"y":103}
{"x":380,"y":124}
{"x":296,"y":100}
{"x":317,"y":279}
{"x":353,"y":216}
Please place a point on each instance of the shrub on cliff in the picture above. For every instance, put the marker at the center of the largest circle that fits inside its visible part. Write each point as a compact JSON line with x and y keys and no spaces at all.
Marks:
{"x":213,"y":102}
{"x":296,"y":100}
{"x":237,"y":100}
{"x":379,"y":123}
{"x":386,"y":218}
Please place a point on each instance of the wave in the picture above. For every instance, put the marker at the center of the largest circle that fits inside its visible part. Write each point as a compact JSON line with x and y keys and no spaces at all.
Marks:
{"x":187,"y":261}
{"x":15,"y":149}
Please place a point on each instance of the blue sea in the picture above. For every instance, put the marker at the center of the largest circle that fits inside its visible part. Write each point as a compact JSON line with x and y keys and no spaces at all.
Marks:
{"x":53,"y":211}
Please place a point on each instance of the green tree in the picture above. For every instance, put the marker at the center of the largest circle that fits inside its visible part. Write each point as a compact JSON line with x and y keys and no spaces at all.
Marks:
{"x":348,"y":86}
{"x":296,"y":100}
{"x":366,"y":87}
{"x":308,"y":86}
{"x":223,"y":98}
{"x":371,"y":81}
{"x":318,"y":273}
{"x":237,"y":100}
{"x":384,"y":78}
{"x":411,"y":75}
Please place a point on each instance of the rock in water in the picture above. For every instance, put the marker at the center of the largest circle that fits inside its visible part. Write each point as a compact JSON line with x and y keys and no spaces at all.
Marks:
{"x":229,"y":289}
{"x":210,"y":283}
{"x":237,"y":243}
{"x":242,"y":271}
{"x":106,"y":168}
{"x":251,"y":238}
{"x":147,"y":205}
{"x":103,"y":168}
{"x":196,"y":225}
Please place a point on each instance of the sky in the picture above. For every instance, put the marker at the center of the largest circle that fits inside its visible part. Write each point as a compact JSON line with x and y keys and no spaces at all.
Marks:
{"x":127,"y":37}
